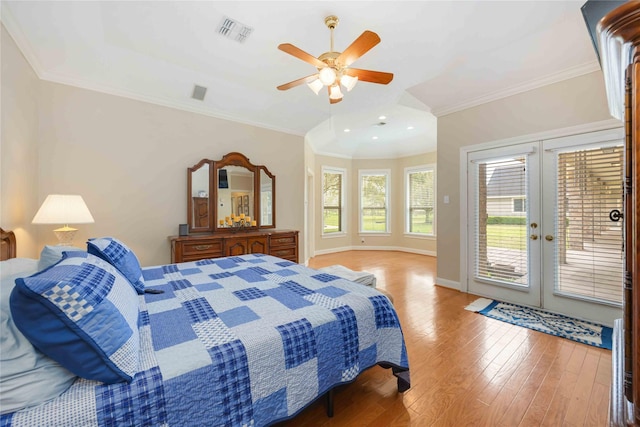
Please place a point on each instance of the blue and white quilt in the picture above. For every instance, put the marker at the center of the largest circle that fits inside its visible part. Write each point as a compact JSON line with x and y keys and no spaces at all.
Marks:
{"x":239,"y":341}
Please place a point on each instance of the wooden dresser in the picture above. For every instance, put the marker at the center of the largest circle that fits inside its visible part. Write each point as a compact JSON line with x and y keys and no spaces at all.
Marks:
{"x":280,"y":243}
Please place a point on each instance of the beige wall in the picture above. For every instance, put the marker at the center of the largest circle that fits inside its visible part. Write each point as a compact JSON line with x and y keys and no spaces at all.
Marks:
{"x":19,"y":147}
{"x":574,"y":102}
{"x":352,"y":239}
{"x":128,"y":159}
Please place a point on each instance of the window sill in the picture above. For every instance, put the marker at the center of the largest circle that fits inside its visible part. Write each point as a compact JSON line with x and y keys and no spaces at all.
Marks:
{"x":420,"y":236}
{"x":333,"y":235}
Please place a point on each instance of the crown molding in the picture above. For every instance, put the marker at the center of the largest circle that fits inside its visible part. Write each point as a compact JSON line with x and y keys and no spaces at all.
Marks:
{"x":27,"y":51}
{"x":9,"y":23}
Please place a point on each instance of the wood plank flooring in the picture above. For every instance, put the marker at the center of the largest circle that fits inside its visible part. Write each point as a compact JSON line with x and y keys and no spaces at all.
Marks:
{"x":466,"y":369}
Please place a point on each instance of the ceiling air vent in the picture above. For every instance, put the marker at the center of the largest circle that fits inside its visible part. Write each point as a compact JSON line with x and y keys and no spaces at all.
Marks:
{"x":199,"y":92}
{"x":234,"y":30}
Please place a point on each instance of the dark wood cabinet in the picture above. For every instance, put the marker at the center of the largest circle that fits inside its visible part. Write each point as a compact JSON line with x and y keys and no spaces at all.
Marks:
{"x":201,"y":211}
{"x":246,"y":245}
{"x":619,"y":34}
{"x":283,"y":244}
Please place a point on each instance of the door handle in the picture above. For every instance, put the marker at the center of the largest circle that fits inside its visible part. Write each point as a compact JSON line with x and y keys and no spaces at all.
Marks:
{"x":534,"y":237}
{"x":549,"y":237}
{"x":615,"y":215}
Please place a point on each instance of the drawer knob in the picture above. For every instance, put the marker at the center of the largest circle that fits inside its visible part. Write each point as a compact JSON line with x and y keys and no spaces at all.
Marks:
{"x":202,"y":247}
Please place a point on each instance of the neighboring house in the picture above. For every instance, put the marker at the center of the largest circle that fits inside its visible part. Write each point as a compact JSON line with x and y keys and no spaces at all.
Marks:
{"x":506,"y":191}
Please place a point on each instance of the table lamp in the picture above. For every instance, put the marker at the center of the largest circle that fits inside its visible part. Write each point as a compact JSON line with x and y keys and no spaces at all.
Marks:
{"x":63,"y":209}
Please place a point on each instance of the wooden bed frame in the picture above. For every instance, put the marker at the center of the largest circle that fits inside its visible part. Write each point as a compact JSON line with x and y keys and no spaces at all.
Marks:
{"x":7,"y":245}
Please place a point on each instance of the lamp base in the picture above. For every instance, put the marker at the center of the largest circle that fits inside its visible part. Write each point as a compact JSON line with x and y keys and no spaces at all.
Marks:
{"x":65,"y":235}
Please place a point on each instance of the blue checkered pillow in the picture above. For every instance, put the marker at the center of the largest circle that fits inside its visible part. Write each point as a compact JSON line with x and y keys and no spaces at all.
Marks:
{"x":82,"y":313}
{"x":121,"y":257}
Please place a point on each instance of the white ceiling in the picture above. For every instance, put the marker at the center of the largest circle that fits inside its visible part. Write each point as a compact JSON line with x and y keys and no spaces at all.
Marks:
{"x":445,"y":56}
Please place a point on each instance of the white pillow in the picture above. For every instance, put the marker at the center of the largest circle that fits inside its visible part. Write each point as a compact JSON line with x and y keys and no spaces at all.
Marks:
{"x":50,"y":255}
{"x":27,"y":377}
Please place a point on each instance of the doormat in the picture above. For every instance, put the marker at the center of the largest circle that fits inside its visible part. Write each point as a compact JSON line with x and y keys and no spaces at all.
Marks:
{"x":543,"y":321}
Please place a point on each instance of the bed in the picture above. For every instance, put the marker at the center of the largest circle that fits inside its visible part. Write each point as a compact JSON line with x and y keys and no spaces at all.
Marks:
{"x":247,"y":340}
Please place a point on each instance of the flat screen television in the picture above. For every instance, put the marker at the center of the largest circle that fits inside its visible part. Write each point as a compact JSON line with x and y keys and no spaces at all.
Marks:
{"x":222,"y":179}
{"x":592,"y":12}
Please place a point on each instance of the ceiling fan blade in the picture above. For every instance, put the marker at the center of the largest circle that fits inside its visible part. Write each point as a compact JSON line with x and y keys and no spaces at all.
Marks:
{"x":301,"y":54}
{"x":297,"y":82}
{"x":379,"y":77}
{"x":359,"y":47}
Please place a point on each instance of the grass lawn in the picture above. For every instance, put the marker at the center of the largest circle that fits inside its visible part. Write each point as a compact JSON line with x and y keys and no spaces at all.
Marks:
{"x":377,"y":223}
{"x":507,"y":236}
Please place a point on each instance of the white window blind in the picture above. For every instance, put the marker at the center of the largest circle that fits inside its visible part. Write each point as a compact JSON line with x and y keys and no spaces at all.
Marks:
{"x":501,"y":231}
{"x":588,"y":244}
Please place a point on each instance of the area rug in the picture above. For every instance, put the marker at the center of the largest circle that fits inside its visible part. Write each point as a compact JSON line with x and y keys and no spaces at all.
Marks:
{"x":543,"y":321}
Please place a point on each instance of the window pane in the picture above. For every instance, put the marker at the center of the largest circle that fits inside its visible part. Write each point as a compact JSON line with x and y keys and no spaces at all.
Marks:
{"x":331,"y":220}
{"x":501,"y":234}
{"x":421,"y":202}
{"x":373,"y":202}
{"x":588,"y":244}
{"x":332,"y":202}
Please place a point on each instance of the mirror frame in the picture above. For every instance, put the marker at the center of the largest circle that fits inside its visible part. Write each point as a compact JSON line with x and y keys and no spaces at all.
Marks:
{"x":273,"y":195}
{"x":192,"y":227}
{"x":230,"y":159}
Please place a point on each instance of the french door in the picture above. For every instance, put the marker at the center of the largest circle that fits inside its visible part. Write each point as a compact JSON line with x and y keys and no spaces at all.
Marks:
{"x":541,"y":229}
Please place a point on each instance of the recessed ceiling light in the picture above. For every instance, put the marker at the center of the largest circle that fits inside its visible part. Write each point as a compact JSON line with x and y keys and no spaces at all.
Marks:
{"x":382,"y":117}
{"x":375,"y":137}
{"x":347,"y":130}
{"x":410,"y":127}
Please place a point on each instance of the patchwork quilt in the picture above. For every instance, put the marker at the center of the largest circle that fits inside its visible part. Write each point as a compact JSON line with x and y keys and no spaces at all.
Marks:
{"x":239,"y":341}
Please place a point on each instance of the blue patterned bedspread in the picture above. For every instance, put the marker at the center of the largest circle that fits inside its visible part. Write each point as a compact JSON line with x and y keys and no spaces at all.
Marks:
{"x":238,"y":341}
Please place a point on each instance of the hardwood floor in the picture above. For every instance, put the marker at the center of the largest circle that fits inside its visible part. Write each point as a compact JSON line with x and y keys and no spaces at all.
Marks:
{"x":466,"y":369}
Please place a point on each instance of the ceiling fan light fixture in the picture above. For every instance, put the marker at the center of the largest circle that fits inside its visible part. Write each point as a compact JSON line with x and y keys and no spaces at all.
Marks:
{"x":335,"y":92}
{"x":315,"y":85}
{"x":348,"y":82}
{"x":327,"y":76}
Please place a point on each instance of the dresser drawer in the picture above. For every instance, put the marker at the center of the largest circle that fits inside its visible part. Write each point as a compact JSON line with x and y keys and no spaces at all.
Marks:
{"x":202,"y":249}
{"x":287,"y":253}
{"x":284,"y":239}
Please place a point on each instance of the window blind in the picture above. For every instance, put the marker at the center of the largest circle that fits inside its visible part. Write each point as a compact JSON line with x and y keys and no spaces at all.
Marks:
{"x":501,"y":236}
{"x":588,"y":254}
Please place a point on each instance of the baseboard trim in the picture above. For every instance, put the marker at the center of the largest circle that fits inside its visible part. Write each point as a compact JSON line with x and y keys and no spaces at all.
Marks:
{"x":451,"y":284}
{"x":376,"y":248}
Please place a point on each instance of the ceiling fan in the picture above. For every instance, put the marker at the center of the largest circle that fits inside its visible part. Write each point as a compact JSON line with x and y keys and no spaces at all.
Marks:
{"x":333,"y":67}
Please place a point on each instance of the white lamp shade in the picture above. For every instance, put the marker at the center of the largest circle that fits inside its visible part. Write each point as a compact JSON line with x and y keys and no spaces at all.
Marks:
{"x":315,"y":85}
{"x":63,"y":209}
{"x":348,"y":82}
{"x":335,"y":92}
{"x":327,"y":76}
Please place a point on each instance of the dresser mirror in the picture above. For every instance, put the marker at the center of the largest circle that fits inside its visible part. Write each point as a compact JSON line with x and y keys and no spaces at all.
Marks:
{"x":267,"y":197}
{"x":198,"y":201}
{"x":232,"y":187}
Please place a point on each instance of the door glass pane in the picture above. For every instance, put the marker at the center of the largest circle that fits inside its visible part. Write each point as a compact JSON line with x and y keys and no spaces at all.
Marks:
{"x":501,"y":221}
{"x":588,"y":256}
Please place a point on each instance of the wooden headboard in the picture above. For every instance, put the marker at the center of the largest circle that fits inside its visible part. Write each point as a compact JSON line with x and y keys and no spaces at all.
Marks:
{"x":7,"y":245}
